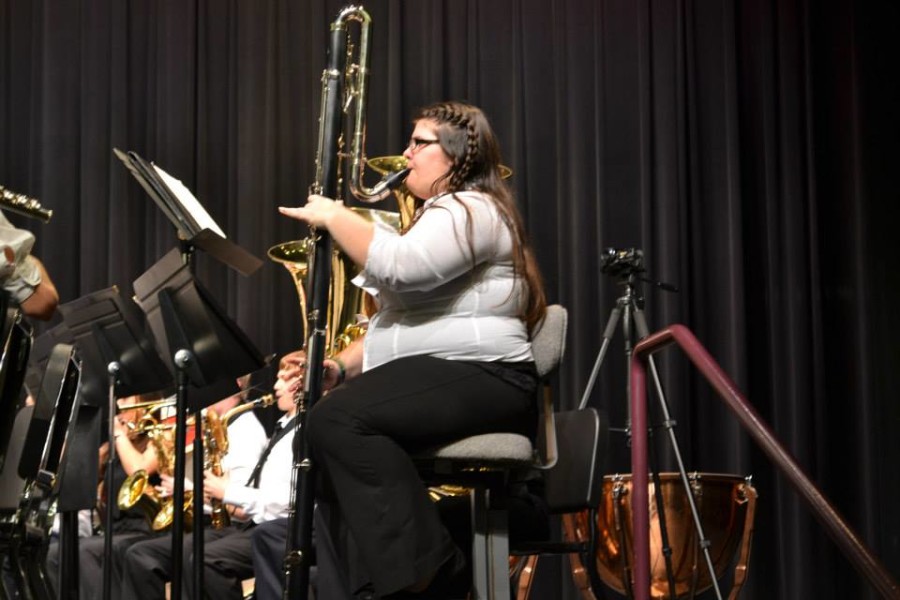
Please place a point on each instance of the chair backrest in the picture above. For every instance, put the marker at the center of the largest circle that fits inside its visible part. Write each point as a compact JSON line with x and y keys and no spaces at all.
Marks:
{"x":574,"y":442}
{"x":575,"y":482}
{"x":548,"y":341}
{"x":548,"y":344}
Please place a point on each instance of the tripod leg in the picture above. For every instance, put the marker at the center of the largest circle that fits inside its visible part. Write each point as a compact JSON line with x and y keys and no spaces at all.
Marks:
{"x":668,"y":423}
{"x":607,"y":336}
{"x":661,"y":516}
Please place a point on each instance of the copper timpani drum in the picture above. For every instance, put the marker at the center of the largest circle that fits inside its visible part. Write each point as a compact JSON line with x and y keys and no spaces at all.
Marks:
{"x":726,"y":505}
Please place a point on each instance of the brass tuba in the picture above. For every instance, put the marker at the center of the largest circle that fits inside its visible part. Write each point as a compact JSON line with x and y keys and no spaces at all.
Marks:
{"x":347,"y":310}
{"x":24,"y":205}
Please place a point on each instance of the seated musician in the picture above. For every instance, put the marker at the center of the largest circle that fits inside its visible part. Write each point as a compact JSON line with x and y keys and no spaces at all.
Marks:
{"x":255,"y":487}
{"x":446,"y":356}
{"x":133,"y":453}
{"x":269,"y":539}
{"x":23,"y":276}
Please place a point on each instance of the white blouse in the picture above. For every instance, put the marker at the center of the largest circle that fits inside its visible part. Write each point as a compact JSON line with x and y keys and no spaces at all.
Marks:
{"x":431,"y":301}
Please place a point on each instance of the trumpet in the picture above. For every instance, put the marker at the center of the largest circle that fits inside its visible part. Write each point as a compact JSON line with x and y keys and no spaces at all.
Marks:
{"x":151,"y":405}
{"x":24,"y":205}
{"x":142,"y":420}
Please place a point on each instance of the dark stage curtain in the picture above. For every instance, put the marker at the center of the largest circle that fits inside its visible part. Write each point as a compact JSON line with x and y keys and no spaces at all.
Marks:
{"x":748,"y":148}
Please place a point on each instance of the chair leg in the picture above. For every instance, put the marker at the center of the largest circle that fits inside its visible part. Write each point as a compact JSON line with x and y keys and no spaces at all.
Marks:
{"x":480,"y":550}
{"x":498,"y":542}
{"x":490,"y":549}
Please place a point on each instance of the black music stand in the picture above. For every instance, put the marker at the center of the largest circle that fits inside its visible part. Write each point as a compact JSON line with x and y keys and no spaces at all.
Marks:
{"x":113,"y":340}
{"x":194,"y":226}
{"x":40,"y":354}
{"x":58,"y":439}
{"x":12,"y":487}
{"x":15,"y":344}
{"x":209,"y":353}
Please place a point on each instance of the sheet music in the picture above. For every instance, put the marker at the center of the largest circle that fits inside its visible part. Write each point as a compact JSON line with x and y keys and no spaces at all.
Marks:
{"x":189,"y":202}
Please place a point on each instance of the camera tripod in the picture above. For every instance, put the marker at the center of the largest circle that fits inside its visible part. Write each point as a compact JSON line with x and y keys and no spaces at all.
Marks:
{"x":629,"y":310}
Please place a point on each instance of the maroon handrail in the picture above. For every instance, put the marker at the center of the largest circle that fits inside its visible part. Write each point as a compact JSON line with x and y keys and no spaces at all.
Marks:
{"x":846,"y":539}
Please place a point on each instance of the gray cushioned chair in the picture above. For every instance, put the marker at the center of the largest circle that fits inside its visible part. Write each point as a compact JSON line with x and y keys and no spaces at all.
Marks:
{"x":485,"y":463}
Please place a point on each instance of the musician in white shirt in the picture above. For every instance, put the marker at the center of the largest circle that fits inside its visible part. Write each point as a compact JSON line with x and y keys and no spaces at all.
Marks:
{"x":147,"y":565}
{"x":446,"y":355}
{"x":22,"y":275}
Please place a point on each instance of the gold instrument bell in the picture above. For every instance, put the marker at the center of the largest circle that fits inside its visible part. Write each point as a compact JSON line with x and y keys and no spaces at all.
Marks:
{"x":346,"y":302}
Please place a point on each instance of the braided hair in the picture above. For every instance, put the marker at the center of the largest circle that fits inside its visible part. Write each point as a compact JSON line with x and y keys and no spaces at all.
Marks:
{"x":468,"y":140}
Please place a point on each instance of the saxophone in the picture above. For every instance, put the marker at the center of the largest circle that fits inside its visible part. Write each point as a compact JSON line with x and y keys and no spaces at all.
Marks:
{"x":215,"y":438}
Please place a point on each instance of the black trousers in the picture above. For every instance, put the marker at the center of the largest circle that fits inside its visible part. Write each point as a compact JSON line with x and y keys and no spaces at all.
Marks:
{"x":269,"y":541}
{"x":147,"y":566}
{"x":91,"y":563}
{"x":362,"y":434}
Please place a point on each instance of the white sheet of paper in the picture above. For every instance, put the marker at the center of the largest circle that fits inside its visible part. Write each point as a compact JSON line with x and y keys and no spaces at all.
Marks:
{"x":190,"y":203}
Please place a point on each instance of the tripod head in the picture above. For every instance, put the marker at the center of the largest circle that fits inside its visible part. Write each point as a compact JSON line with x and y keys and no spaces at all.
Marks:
{"x":622,"y":262}
{"x":626,"y":264}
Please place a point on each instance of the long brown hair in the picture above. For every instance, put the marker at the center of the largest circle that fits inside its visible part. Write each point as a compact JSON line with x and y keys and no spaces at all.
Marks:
{"x":468,"y":139}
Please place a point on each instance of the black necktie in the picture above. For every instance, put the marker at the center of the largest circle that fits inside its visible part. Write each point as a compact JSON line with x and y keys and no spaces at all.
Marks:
{"x":279,"y":432}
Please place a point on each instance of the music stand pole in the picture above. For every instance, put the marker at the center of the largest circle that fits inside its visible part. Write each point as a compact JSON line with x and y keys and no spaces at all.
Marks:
{"x":182,"y":359}
{"x":113,"y":370}
{"x":198,"y":525}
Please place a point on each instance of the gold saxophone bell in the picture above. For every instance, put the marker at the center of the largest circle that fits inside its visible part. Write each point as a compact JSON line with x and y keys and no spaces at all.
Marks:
{"x":162,"y":521}
{"x":295,"y":256}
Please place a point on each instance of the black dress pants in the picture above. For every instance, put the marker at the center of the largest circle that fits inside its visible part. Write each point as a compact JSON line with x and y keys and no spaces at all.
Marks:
{"x":91,"y":563}
{"x":362,"y":434}
{"x":269,"y":541}
{"x":147,"y":565}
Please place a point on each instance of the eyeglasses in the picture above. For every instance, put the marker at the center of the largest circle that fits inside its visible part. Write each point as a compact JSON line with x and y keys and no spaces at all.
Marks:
{"x":416,"y":143}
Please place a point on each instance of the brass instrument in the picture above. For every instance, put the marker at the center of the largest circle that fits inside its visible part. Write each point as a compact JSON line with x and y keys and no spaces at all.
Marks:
{"x":24,"y":205}
{"x":216,"y":439}
{"x":346,"y":302}
{"x":343,"y":86}
{"x":136,"y":491}
{"x":151,"y":405}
